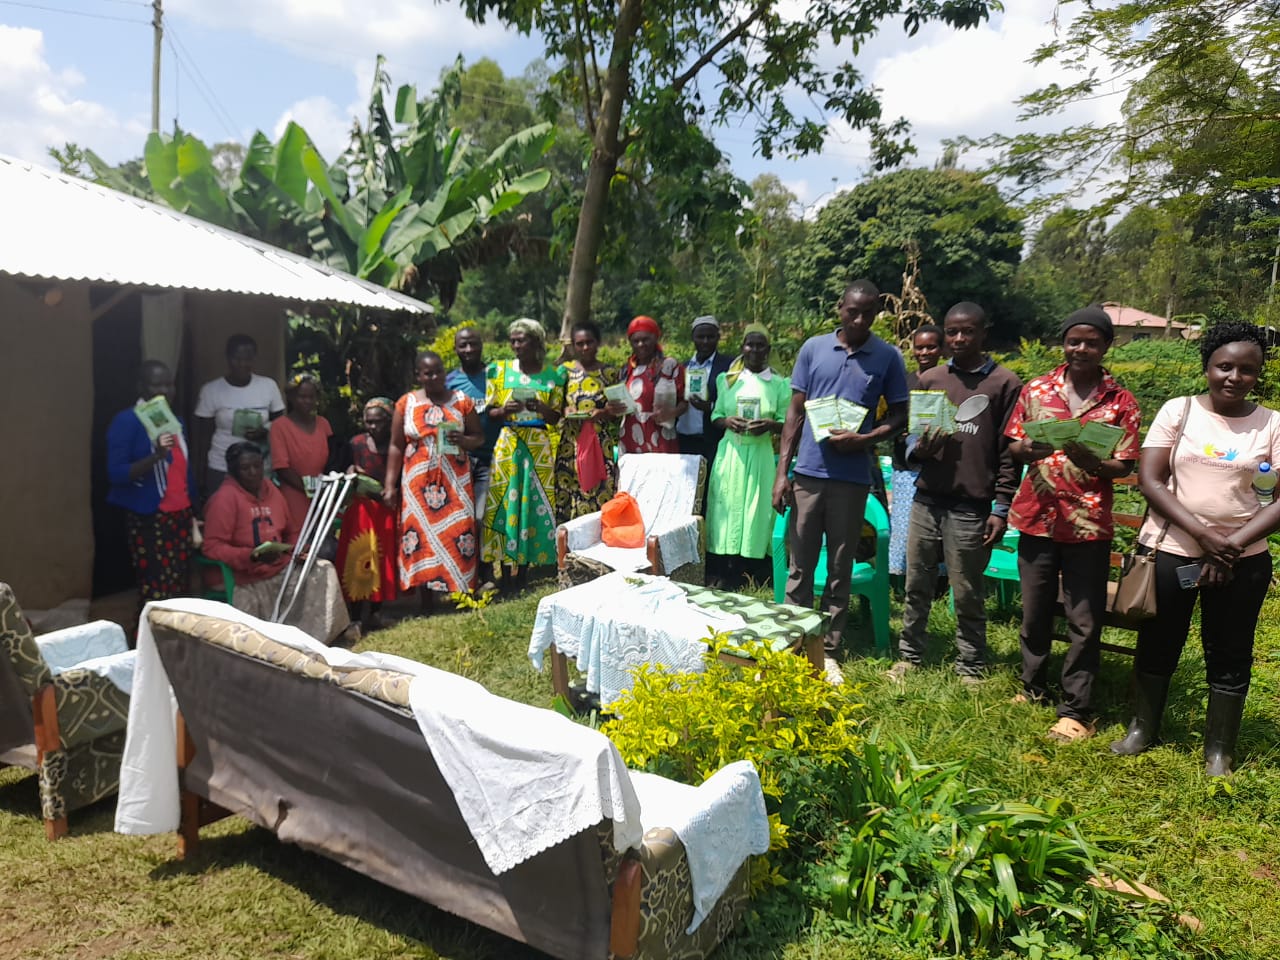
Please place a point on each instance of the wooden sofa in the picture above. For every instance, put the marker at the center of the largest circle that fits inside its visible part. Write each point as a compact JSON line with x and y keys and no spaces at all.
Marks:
{"x":334,"y":761}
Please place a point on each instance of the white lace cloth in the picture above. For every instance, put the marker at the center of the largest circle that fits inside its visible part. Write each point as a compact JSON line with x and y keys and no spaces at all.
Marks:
{"x":99,"y":647}
{"x":617,"y":622}
{"x":540,"y":780}
{"x":665,"y":486}
{"x":720,"y":823}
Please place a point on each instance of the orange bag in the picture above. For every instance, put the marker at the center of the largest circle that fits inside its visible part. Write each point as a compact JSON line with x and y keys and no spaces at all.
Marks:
{"x":620,"y":522}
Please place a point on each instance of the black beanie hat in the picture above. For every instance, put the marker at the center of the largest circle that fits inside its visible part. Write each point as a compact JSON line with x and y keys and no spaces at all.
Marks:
{"x":1091,"y":316}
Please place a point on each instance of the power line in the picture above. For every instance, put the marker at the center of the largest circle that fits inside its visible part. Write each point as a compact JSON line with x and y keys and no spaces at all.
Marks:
{"x":72,"y":13}
{"x":202,"y":85}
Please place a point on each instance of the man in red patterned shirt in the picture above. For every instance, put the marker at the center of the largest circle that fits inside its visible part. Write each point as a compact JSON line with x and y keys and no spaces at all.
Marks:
{"x":1063,"y":512}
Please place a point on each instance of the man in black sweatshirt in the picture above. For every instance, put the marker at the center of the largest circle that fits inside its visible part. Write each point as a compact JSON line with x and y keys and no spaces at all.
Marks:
{"x":952,"y":518}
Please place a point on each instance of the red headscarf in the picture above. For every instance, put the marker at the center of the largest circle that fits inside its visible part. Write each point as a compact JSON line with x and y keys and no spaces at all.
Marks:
{"x":644,"y":324}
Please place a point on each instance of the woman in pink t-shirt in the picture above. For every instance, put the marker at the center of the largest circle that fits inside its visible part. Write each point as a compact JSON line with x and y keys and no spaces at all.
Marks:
{"x":1214,"y":545}
{"x":299,"y":444}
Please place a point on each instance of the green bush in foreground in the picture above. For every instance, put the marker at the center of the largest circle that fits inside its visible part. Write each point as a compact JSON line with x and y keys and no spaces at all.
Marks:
{"x":925,"y":857}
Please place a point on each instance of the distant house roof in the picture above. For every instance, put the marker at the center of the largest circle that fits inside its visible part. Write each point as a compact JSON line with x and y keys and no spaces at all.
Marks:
{"x":58,"y":227}
{"x":1123,"y":316}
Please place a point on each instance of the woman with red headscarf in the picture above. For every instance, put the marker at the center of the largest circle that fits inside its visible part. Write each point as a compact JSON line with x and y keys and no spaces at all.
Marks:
{"x":656,"y":384}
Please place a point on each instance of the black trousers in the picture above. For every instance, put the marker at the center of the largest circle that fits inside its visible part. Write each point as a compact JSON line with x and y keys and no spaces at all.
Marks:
{"x":1082,"y":570}
{"x":1228,"y":619}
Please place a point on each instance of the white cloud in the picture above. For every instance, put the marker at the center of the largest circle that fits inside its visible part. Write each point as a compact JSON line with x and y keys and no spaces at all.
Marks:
{"x":418,"y":34}
{"x":967,"y":82}
{"x":41,"y":108}
{"x":327,"y":123}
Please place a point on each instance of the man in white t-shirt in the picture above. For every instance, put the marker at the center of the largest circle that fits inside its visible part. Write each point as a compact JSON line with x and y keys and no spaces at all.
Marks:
{"x":236,"y":406}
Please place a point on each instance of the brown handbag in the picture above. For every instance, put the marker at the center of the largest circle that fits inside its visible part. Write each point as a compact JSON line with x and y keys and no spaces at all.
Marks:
{"x":1135,"y":597}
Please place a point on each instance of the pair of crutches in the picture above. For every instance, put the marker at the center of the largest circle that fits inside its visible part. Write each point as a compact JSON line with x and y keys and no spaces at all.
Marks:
{"x":330,"y":493}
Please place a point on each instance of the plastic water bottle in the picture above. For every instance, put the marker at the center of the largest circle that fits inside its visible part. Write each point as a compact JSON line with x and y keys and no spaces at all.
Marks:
{"x":1264,"y":482}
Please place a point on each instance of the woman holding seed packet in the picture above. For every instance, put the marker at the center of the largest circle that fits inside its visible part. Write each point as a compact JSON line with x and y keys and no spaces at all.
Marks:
{"x":428,"y":471}
{"x":525,"y":395}
{"x":751,"y":405}
{"x":1077,"y":429}
{"x":151,"y":476}
{"x":926,"y":350}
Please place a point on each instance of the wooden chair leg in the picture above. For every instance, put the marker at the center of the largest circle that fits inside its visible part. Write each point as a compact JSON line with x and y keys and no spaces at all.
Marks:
{"x":559,"y":672}
{"x":816,"y":654}
{"x":188,"y":802}
{"x":624,"y":922}
{"x":48,"y":737}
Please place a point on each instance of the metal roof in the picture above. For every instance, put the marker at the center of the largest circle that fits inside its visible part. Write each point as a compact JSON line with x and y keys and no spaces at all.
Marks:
{"x":58,"y":227}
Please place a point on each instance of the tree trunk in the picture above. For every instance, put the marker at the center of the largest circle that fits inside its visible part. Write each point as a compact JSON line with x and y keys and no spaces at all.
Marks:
{"x":605,"y":148}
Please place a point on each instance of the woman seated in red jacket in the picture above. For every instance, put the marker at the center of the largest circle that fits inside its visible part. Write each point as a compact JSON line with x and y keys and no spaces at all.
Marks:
{"x":247,"y":526}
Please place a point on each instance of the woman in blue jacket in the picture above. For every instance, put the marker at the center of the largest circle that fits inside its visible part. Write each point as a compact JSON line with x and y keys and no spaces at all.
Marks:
{"x":152,"y":482}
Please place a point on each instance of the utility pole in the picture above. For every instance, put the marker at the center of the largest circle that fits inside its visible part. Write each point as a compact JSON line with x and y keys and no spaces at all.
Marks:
{"x":157,"y":22}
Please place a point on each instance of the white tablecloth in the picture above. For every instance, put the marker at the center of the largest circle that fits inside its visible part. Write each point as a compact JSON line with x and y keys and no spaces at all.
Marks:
{"x":618,"y":622}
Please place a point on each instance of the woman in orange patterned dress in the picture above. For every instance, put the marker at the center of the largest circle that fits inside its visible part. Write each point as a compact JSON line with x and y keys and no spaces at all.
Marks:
{"x":431,"y":431}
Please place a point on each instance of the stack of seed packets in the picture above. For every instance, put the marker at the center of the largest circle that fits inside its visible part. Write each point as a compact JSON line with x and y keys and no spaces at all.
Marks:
{"x":828,"y":415}
{"x":1098,"y":438}
{"x":931,"y":410}
{"x":619,"y":393}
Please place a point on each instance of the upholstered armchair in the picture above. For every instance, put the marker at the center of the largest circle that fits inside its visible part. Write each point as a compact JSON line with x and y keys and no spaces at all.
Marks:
{"x":63,"y":709}
{"x":668,"y":489}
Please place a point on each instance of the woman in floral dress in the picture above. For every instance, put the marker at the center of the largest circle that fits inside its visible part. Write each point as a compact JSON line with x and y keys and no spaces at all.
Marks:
{"x":431,"y":431}
{"x":656,"y":383}
{"x":586,"y":474}
{"x":527,"y":397}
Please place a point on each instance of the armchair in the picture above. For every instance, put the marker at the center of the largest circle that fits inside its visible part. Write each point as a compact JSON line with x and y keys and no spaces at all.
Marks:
{"x":667,"y":487}
{"x":62,"y":709}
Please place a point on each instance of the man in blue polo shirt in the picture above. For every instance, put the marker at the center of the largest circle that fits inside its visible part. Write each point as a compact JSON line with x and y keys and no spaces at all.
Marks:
{"x":832,"y":477}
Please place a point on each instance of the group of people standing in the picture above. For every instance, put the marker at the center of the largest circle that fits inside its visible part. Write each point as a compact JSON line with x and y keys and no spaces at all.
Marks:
{"x":955,"y":490}
{"x":478,"y":465}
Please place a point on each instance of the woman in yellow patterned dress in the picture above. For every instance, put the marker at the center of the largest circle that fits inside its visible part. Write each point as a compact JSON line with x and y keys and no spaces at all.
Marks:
{"x":586,"y":474}
{"x":526,"y":397}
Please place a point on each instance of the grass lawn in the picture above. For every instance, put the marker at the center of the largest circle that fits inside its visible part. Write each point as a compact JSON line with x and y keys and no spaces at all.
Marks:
{"x":1215,"y":853}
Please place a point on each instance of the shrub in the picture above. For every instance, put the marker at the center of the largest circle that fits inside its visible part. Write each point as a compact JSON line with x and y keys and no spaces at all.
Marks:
{"x":770,"y":710}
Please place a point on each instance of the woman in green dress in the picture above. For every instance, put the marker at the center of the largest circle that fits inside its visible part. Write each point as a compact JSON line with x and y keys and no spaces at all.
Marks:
{"x":526,"y":396}
{"x":750,"y":407}
{"x":586,"y":474}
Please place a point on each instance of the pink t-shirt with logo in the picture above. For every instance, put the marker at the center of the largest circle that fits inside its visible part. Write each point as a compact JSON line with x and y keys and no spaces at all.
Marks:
{"x":1215,"y":464}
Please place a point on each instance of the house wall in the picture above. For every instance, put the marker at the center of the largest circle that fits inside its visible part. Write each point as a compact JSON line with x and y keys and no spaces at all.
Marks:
{"x":47,"y":390}
{"x":46,"y":394}
{"x":212,"y":317}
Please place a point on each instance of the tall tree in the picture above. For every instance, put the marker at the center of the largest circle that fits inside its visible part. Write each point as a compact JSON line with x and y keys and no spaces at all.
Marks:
{"x":968,"y":237}
{"x":638,"y":69}
{"x":1201,"y":113}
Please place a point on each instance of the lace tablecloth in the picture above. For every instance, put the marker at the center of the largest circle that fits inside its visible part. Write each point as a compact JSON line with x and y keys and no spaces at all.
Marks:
{"x":618,"y":622}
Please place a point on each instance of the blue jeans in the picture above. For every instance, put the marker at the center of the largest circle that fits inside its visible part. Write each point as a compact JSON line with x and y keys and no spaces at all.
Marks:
{"x":954,"y":536}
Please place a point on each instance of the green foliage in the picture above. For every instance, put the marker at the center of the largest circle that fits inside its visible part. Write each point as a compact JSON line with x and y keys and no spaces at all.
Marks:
{"x":968,"y":238}
{"x":770,"y":710}
{"x":1033,"y":358}
{"x":925,"y":856}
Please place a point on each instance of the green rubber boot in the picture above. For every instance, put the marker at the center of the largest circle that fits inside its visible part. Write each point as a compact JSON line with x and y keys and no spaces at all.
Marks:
{"x":1221,"y":728}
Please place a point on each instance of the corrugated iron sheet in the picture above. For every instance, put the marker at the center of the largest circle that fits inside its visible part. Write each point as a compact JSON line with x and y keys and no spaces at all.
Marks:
{"x":57,"y":227}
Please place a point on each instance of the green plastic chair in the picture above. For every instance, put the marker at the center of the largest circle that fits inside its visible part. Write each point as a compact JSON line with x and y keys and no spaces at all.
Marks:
{"x":870,"y":580}
{"x":217,"y":579}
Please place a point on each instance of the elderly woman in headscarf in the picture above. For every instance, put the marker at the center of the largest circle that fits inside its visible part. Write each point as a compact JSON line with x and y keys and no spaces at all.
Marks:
{"x":656,"y":385}
{"x":526,"y":395}
{"x":366,"y":558}
{"x":751,"y":405}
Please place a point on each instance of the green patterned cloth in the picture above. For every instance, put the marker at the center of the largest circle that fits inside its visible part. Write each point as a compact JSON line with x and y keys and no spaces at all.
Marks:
{"x":781,"y":625}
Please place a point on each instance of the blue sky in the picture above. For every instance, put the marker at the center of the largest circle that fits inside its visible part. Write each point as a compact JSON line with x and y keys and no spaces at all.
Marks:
{"x":80,"y":70}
